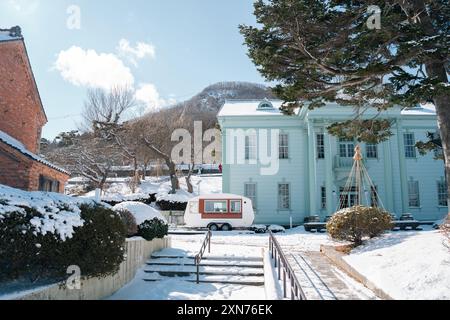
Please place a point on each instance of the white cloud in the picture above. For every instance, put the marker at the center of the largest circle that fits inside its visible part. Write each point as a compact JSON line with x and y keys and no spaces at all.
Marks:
{"x":91,"y":69}
{"x":140,"y":51}
{"x":24,"y":6}
{"x":149,"y":95}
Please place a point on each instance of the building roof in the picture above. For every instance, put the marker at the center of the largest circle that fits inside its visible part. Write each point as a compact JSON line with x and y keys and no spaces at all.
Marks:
{"x":15,"y":144}
{"x":250,"y":108}
{"x":427,"y":109}
{"x":238,"y":108}
{"x":15,"y":33}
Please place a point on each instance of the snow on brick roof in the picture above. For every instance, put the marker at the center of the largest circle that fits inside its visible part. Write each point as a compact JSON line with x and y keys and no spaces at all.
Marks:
{"x":10,"y":141}
{"x":14,"y":33}
{"x":250,"y":108}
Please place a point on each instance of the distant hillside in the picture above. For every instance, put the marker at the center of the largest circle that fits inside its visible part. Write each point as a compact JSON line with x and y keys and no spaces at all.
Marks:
{"x":205,"y":105}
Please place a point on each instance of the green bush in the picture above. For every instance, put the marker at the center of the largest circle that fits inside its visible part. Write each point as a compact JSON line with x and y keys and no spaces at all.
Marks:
{"x":97,"y":247}
{"x":129,"y":221}
{"x":152,"y":229}
{"x":356,"y":223}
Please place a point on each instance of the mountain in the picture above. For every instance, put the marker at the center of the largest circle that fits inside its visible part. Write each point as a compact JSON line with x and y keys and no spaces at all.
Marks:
{"x":212,"y":98}
{"x":205,"y":105}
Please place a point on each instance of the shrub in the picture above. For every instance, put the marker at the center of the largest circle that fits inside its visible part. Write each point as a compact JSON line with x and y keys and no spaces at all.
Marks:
{"x":129,"y":221}
{"x":152,"y":229}
{"x":97,"y":247}
{"x":165,"y":205}
{"x":356,"y":223}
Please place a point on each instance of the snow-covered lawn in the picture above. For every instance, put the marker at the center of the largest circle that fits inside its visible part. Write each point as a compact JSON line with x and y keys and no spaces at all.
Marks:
{"x":120,"y":191}
{"x":235,"y":244}
{"x":406,"y":265}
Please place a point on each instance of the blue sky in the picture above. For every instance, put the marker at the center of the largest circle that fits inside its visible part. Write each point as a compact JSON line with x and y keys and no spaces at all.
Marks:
{"x":168,"y":50}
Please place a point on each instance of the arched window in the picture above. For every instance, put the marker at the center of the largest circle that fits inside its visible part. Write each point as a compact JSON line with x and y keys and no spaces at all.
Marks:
{"x":265,"y":105}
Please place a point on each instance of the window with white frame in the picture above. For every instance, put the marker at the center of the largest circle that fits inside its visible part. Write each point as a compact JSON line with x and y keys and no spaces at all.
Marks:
{"x":346,"y":148}
{"x":374,"y":196}
{"x":284,"y":146}
{"x":442,"y":194}
{"x":320,"y":146}
{"x":250,"y":192}
{"x":413,"y":194}
{"x":250,"y":146}
{"x":236,"y":206}
{"x":216,"y":206}
{"x":410,"y":145}
{"x":284,"y":196}
{"x":371,"y":151}
{"x":323,"y":198}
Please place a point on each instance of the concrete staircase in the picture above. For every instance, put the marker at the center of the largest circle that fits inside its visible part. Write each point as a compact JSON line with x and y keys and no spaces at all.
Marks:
{"x":246,"y":271}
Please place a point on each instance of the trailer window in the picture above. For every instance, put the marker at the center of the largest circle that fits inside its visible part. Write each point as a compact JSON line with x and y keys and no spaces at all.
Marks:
{"x":212,"y":206}
{"x":193,"y":207}
{"x":236,"y":206}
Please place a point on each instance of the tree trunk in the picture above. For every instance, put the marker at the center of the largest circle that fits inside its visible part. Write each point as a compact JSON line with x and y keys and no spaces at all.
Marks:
{"x":144,"y":171}
{"x":436,"y":69}
{"x":173,"y":175}
{"x":190,"y":187}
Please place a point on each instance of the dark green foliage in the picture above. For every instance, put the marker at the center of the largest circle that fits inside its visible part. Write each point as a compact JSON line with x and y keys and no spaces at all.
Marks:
{"x":324,"y":51}
{"x":153,"y":229}
{"x":356,"y":223}
{"x":97,"y":247}
{"x":129,"y":221}
{"x":434,"y":143}
{"x":371,"y":131}
{"x":171,"y":205}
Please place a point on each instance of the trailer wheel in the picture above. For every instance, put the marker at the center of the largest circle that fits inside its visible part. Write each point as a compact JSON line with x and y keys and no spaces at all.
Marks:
{"x":226,"y":227}
{"x":213,"y":227}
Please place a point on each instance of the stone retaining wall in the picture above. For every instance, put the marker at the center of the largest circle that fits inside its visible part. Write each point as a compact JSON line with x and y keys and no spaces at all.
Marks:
{"x":337,"y":258}
{"x":138,"y":251}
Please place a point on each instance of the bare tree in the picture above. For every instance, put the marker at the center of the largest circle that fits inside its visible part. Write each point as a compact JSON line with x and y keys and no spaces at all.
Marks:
{"x":87,"y":156}
{"x":157,"y":138}
{"x":104,"y":113}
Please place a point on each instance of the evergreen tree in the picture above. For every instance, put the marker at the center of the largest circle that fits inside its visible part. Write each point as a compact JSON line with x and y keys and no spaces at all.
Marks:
{"x":356,"y":53}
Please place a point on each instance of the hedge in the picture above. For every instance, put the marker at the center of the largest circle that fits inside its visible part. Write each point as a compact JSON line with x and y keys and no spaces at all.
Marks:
{"x":97,"y":247}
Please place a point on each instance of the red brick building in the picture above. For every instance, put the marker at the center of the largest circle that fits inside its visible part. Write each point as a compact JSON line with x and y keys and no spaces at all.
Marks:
{"x":22,"y":117}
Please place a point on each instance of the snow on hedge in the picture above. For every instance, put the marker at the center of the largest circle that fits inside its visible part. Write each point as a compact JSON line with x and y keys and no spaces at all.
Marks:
{"x":407,"y":265}
{"x":60,"y":214}
{"x":140,"y":211}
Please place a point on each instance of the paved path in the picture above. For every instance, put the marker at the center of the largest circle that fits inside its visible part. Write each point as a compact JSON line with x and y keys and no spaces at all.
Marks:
{"x":321,"y":280}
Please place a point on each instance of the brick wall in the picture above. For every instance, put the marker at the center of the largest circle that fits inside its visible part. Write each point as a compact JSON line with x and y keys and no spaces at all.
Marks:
{"x":21,"y":113}
{"x":21,"y":172}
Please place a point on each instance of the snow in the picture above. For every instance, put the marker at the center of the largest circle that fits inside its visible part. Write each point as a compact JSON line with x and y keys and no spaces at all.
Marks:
{"x":423,"y":109}
{"x":275,"y":228}
{"x":406,"y":265}
{"x":120,"y":191}
{"x":60,"y":214}
{"x":140,"y":211}
{"x":22,"y":149}
{"x":249,"y":108}
{"x":5,"y":36}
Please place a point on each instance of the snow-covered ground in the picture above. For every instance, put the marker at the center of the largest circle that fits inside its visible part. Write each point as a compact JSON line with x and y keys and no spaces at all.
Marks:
{"x":177,"y":289}
{"x":406,"y":265}
{"x":120,"y":190}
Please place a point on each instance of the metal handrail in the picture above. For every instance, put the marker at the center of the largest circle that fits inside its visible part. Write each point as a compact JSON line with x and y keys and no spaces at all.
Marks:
{"x":280,"y":259}
{"x":199,"y":256}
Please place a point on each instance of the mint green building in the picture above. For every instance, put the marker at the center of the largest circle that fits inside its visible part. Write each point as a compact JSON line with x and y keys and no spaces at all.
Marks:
{"x":313,"y":166}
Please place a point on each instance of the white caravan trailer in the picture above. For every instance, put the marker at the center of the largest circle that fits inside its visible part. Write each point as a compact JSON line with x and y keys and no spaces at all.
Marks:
{"x":219,"y":212}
